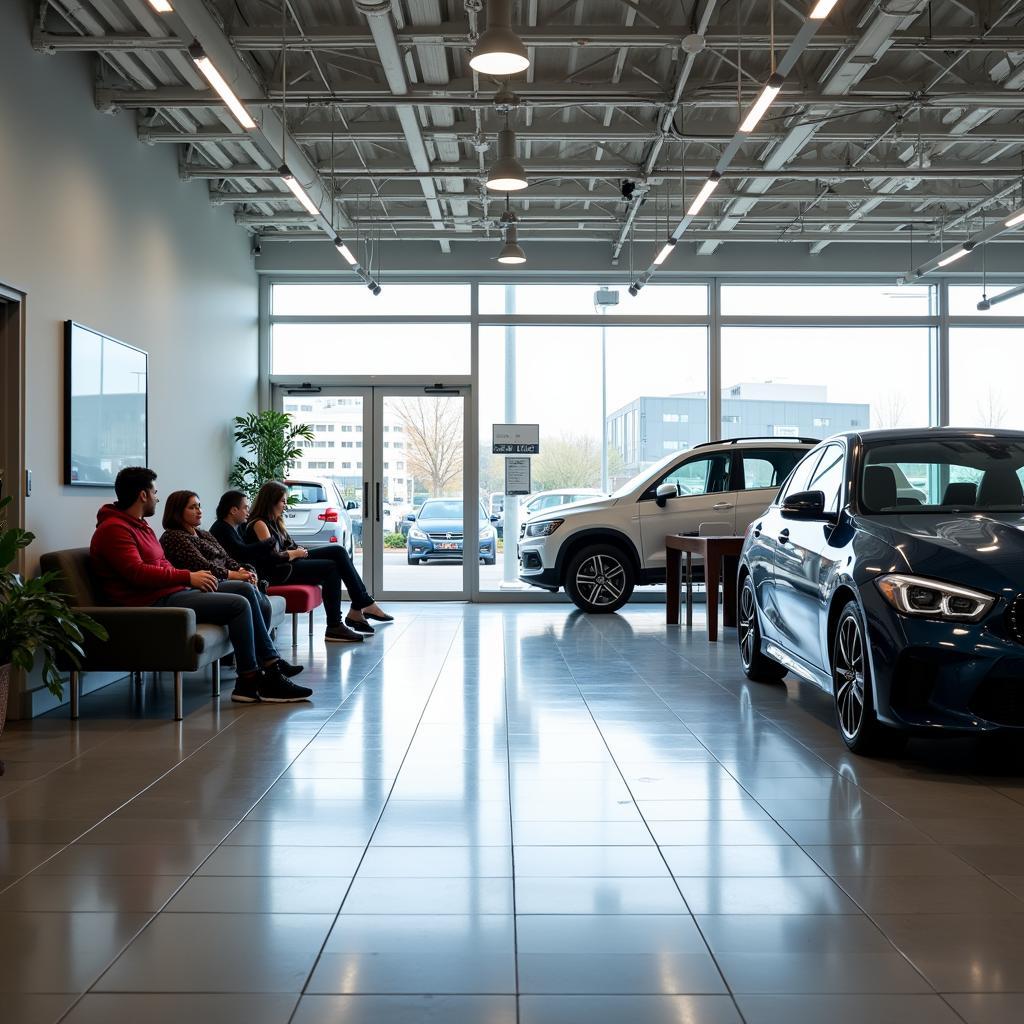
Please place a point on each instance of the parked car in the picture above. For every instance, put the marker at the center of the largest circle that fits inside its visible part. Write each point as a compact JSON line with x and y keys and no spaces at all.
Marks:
{"x":908,"y":609}
{"x":599,"y":550}
{"x":320,"y":515}
{"x":435,"y":533}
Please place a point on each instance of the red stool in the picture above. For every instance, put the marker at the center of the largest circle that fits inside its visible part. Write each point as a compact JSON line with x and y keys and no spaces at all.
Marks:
{"x":298,"y":597}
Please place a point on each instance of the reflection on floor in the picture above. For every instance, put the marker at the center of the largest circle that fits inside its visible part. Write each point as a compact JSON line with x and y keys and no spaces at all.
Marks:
{"x":498,"y":814}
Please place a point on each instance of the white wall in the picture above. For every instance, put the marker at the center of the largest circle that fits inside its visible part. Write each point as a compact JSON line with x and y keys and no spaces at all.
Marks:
{"x":98,"y":228}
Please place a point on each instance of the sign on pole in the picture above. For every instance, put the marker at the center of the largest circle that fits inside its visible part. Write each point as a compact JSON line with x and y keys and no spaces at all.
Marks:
{"x":515,"y":439}
{"x":517,"y":475}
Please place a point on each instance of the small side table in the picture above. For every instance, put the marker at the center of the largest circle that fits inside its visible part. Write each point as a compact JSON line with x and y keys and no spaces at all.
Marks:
{"x":721,"y":562}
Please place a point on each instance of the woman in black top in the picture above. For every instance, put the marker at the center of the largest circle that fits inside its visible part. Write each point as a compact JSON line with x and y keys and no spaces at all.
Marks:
{"x":328,"y":566}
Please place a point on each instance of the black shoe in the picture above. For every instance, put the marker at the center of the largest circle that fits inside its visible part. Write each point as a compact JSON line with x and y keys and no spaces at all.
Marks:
{"x":275,"y":689}
{"x":287,"y":669}
{"x":360,"y":627}
{"x":379,"y":618}
{"x":341,"y":634}
{"x":246,"y":689}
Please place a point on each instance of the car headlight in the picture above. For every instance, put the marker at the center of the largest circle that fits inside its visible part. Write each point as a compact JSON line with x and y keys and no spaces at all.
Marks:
{"x":486,"y":532}
{"x":933,"y":599}
{"x":415,"y":533}
{"x":544,"y":528}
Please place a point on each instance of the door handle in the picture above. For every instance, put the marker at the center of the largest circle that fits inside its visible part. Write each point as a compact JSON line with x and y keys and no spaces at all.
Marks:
{"x":366,"y":499}
{"x":722,"y":506}
{"x":379,"y":504}
{"x":784,"y":537}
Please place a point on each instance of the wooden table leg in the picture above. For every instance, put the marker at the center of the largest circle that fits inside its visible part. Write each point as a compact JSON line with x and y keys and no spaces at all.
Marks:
{"x":689,"y":589}
{"x":673,"y":566}
{"x":712,"y":568}
{"x":730,"y":565}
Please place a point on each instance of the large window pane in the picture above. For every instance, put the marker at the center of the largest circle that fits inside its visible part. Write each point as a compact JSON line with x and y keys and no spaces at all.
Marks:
{"x":800,"y":300}
{"x":358,"y":300}
{"x":817,"y":381}
{"x":986,"y":366}
{"x":655,"y":386}
{"x":577,"y":299}
{"x":362,"y":349}
{"x":964,"y":299}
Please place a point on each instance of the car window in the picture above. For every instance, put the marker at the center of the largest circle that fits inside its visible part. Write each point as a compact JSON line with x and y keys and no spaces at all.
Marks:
{"x":828,"y":476}
{"x":801,"y":475}
{"x":768,"y":467}
{"x":451,"y":509}
{"x":306,"y":493}
{"x":705,"y":474}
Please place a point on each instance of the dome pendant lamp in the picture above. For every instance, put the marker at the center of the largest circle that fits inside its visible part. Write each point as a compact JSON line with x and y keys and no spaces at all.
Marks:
{"x":499,"y":50}
{"x":506,"y":173}
{"x":512,"y":251}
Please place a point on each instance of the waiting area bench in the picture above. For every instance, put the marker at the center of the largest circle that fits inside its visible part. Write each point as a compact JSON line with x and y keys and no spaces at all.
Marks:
{"x":141,"y":639}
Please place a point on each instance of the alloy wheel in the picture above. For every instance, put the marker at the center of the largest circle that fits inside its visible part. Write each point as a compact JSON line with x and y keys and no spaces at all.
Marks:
{"x":601,"y":580}
{"x":747,"y":631}
{"x":849,"y":676}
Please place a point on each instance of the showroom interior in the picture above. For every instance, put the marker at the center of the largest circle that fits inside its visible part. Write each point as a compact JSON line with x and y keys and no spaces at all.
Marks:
{"x":594,"y":290}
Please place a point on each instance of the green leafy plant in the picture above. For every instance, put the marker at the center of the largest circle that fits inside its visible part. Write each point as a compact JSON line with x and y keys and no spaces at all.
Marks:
{"x":35,"y":618}
{"x":394,"y":540}
{"x":270,"y":439}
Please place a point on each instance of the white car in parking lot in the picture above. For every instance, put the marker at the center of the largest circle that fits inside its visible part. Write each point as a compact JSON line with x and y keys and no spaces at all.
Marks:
{"x":600,"y":550}
{"x":318,"y":513}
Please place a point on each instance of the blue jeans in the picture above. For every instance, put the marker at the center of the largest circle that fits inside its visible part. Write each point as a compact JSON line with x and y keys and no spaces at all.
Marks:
{"x":238,"y":606}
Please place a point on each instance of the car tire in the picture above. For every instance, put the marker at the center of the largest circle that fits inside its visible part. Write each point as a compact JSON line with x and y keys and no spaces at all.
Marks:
{"x":756,"y":666}
{"x":413,"y":561}
{"x":490,"y":561}
{"x":600,"y":579}
{"x":852,"y":690}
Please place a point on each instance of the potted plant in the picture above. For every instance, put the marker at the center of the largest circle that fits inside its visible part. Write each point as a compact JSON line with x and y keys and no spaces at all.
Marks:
{"x":269,"y":437}
{"x":35,"y":621}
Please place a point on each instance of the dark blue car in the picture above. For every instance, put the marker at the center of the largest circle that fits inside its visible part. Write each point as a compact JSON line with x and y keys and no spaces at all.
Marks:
{"x":890,"y":572}
{"x":435,"y":533}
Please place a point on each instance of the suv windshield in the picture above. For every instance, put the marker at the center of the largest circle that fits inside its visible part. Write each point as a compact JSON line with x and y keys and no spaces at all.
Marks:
{"x":976,"y":474}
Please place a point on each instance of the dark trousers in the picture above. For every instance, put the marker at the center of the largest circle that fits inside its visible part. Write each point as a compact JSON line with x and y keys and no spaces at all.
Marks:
{"x":239,"y":606}
{"x":329,"y":567}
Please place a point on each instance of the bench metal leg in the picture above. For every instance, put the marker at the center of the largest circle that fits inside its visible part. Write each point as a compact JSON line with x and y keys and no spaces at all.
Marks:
{"x":179,"y":697}
{"x":310,"y":623}
{"x":74,"y":684}
{"x":216,"y":678}
{"x":295,"y":629}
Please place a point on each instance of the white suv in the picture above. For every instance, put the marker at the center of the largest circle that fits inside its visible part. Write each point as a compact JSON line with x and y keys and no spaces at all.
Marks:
{"x":600,"y":550}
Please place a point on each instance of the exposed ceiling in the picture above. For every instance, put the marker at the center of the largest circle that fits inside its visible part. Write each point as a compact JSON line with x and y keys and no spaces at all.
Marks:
{"x":898,"y":116}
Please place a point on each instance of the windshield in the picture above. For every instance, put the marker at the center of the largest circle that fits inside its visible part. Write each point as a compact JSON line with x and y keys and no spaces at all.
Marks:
{"x":449,"y":508}
{"x":968,"y":474}
{"x":644,"y":475}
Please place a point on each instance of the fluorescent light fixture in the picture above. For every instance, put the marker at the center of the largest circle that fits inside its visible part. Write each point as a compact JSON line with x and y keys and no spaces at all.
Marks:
{"x":345,"y":251}
{"x":822,"y":9}
{"x":1017,"y":218}
{"x":701,"y":197}
{"x":298,"y":191}
{"x":506,"y":173}
{"x":161,"y":6}
{"x":499,"y":50}
{"x":214,"y":77}
{"x":958,"y":255}
{"x":666,"y":251}
{"x":762,"y":103}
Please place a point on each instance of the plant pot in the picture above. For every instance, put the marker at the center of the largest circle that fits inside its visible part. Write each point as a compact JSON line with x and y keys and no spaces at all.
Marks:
{"x":5,"y":686}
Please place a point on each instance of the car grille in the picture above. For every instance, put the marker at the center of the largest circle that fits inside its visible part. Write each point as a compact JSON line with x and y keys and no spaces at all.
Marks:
{"x":1015,"y":619}
{"x":445,"y":536}
{"x":1000,"y":696}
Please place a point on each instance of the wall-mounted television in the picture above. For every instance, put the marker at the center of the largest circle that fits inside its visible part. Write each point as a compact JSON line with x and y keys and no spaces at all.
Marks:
{"x":105,"y":406}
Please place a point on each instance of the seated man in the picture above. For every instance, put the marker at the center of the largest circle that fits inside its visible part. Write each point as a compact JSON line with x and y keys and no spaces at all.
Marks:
{"x":130,"y":566}
{"x":232,"y":515}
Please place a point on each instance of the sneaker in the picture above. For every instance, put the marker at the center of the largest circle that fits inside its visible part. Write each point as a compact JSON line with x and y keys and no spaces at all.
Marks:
{"x":275,"y":689}
{"x":246,"y":689}
{"x":341,"y":634}
{"x":287,"y":669}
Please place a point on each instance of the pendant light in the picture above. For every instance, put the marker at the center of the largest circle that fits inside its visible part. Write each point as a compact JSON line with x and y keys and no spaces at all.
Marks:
{"x":511,"y":252}
{"x":499,"y":50}
{"x":506,"y":174}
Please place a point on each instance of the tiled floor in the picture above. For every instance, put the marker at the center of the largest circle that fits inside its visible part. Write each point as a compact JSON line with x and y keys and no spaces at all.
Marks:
{"x":499,"y":814}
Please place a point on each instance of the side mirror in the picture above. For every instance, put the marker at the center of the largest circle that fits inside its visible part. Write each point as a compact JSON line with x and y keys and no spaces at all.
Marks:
{"x":350,"y":506}
{"x":495,"y":519}
{"x":410,"y":517}
{"x":805,"y":505}
{"x":664,"y":492}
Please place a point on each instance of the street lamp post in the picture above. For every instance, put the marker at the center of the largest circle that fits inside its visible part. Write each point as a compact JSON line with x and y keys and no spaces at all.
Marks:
{"x":603,"y":298}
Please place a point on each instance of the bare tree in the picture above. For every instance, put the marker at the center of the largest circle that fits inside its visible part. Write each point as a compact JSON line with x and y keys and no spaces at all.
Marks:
{"x":888,"y":410}
{"x":433,"y":440}
{"x":572,"y":460}
{"x":991,"y":411}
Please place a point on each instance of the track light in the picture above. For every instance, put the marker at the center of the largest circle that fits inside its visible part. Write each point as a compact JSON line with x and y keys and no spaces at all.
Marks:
{"x":345,"y":251}
{"x":297,"y":190}
{"x":666,"y":251}
{"x":1017,"y":218}
{"x":634,"y":288}
{"x":499,"y":50}
{"x":822,"y":9}
{"x":161,"y":6}
{"x":958,"y":255}
{"x":762,"y":103}
{"x":374,"y":287}
{"x":214,"y":77}
{"x":506,"y":173}
{"x":701,"y":197}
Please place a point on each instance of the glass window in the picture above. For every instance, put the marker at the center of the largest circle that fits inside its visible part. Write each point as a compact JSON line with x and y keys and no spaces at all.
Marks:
{"x":801,"y":476}
{"x":986,"y":367}
{"x":964,"y":299}
{"x":703,"y":475}
{"x":768,"y":467}
{"x":577,"y":299}
{"x":358,"y":300}
{"x":810,"y":300}
{"x":828,"y":476}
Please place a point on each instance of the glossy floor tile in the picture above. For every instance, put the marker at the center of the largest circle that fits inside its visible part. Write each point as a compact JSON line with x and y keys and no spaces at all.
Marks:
{"x":504,"y":815}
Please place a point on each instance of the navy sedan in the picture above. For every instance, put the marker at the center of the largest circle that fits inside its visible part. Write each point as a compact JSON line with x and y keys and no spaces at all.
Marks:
{"x":435,"y":533}
{"x":890,"y":572}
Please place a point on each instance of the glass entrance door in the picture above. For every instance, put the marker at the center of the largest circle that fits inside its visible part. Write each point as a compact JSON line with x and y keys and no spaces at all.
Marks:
{"x":384,"y":475}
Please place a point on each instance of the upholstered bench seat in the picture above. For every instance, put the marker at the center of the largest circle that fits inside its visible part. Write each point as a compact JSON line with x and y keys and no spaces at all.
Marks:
{"x":298,"y":598}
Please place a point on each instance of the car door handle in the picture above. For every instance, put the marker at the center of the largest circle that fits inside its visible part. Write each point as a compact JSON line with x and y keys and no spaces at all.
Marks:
{"x":722,"y":506}
{"x":784,"y":537}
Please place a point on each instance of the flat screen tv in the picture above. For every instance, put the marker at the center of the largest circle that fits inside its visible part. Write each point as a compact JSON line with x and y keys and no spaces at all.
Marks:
{"x":105,"y":407}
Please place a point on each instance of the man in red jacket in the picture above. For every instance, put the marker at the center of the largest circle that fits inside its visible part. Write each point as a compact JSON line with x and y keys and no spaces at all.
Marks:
{"x":130,"y":565}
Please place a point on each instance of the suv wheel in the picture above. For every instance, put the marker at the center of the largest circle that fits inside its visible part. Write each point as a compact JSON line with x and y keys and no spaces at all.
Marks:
{"x":755,"y":665}
{"x":600,"y":579}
